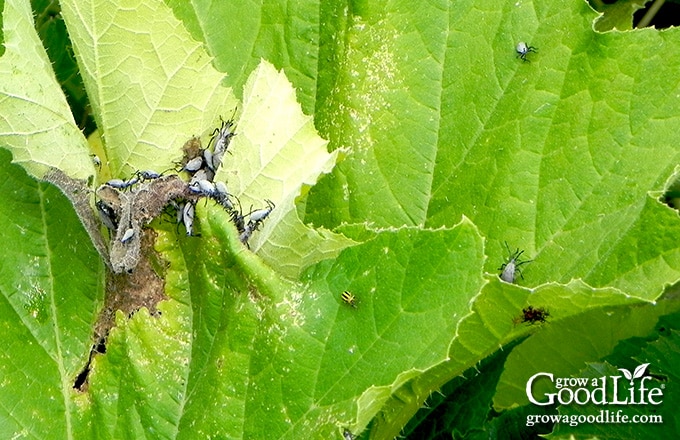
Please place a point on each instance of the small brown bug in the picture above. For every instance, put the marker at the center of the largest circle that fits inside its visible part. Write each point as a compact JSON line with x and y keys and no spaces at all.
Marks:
{"x":532,"y":315}
{"x":349,"y":299}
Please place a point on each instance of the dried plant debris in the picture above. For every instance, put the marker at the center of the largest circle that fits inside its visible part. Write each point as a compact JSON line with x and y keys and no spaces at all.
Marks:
{"x":143,"y":288}
{"x":79,"y":195}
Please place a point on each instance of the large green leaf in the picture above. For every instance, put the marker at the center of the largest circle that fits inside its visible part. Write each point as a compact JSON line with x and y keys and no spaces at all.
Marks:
{"x":240,"y":34}
{"x":272,"y":359}
{"x":140,"y":69}
{"x":491,"y":325}
{"x":51,"y":288}
{"x":618,"y":15}
{"x":553,"y":155}
{"x":36,"y":122}
{"x":572,"y":343}
{"x":439,"y":121}
{"x":280,"y":163}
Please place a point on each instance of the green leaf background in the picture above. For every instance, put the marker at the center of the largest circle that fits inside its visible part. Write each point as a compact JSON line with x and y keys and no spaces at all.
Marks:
{"x":441,"y":146}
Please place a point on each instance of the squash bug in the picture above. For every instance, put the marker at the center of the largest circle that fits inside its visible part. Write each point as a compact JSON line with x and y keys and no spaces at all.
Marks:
{"x":194,"y":164}
{"x":129,"y":233}
{"x":221,"y":196}
{"x":261,"y":214}
{"x":221,"y":138}
{"x":147,"y":175}
{"x":510,"y":269}
{"x":255,"y":221}
{"x":123,"y":184}
{"x":188,"y":217}
{"x":107,"y":215}
{"x":532,"y":315}
{"x":523,"y":50}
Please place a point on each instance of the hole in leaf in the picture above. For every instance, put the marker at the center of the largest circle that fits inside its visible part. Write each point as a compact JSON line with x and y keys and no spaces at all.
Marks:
{"x":81,"y":383}
{"x":81,"y":379}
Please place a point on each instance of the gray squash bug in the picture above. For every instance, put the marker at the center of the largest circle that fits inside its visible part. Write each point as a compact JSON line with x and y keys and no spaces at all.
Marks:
{"x":194,"y":164}
{"x":221,"y":196}
{"x":523,"y":50}
{"x":123,"y":184}
{"x":129,"y":233}
{"x":255,"y":221}
{"x":188,"y":217}
{"x":510,"y":269}
{"x":203,"y":187}
{"x":107,"y":215}
{"x":221,"y":138}
{"x":261,"y":214}
{"x":148,"y":175}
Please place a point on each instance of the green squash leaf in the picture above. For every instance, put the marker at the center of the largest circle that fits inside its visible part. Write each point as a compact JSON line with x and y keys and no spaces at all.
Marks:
{"x":37,"y":125}
{"x":279,"y":162}
{"x":141,"y":69}
{"x":51,"y":290}
{"x":451,"y":147}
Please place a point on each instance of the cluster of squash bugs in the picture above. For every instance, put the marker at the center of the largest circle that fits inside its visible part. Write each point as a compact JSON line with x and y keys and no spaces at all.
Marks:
{"x":125,"y":206}
{"x":110,"y":216}
{"x":125,"y":209}
{"x":202,"y":164}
